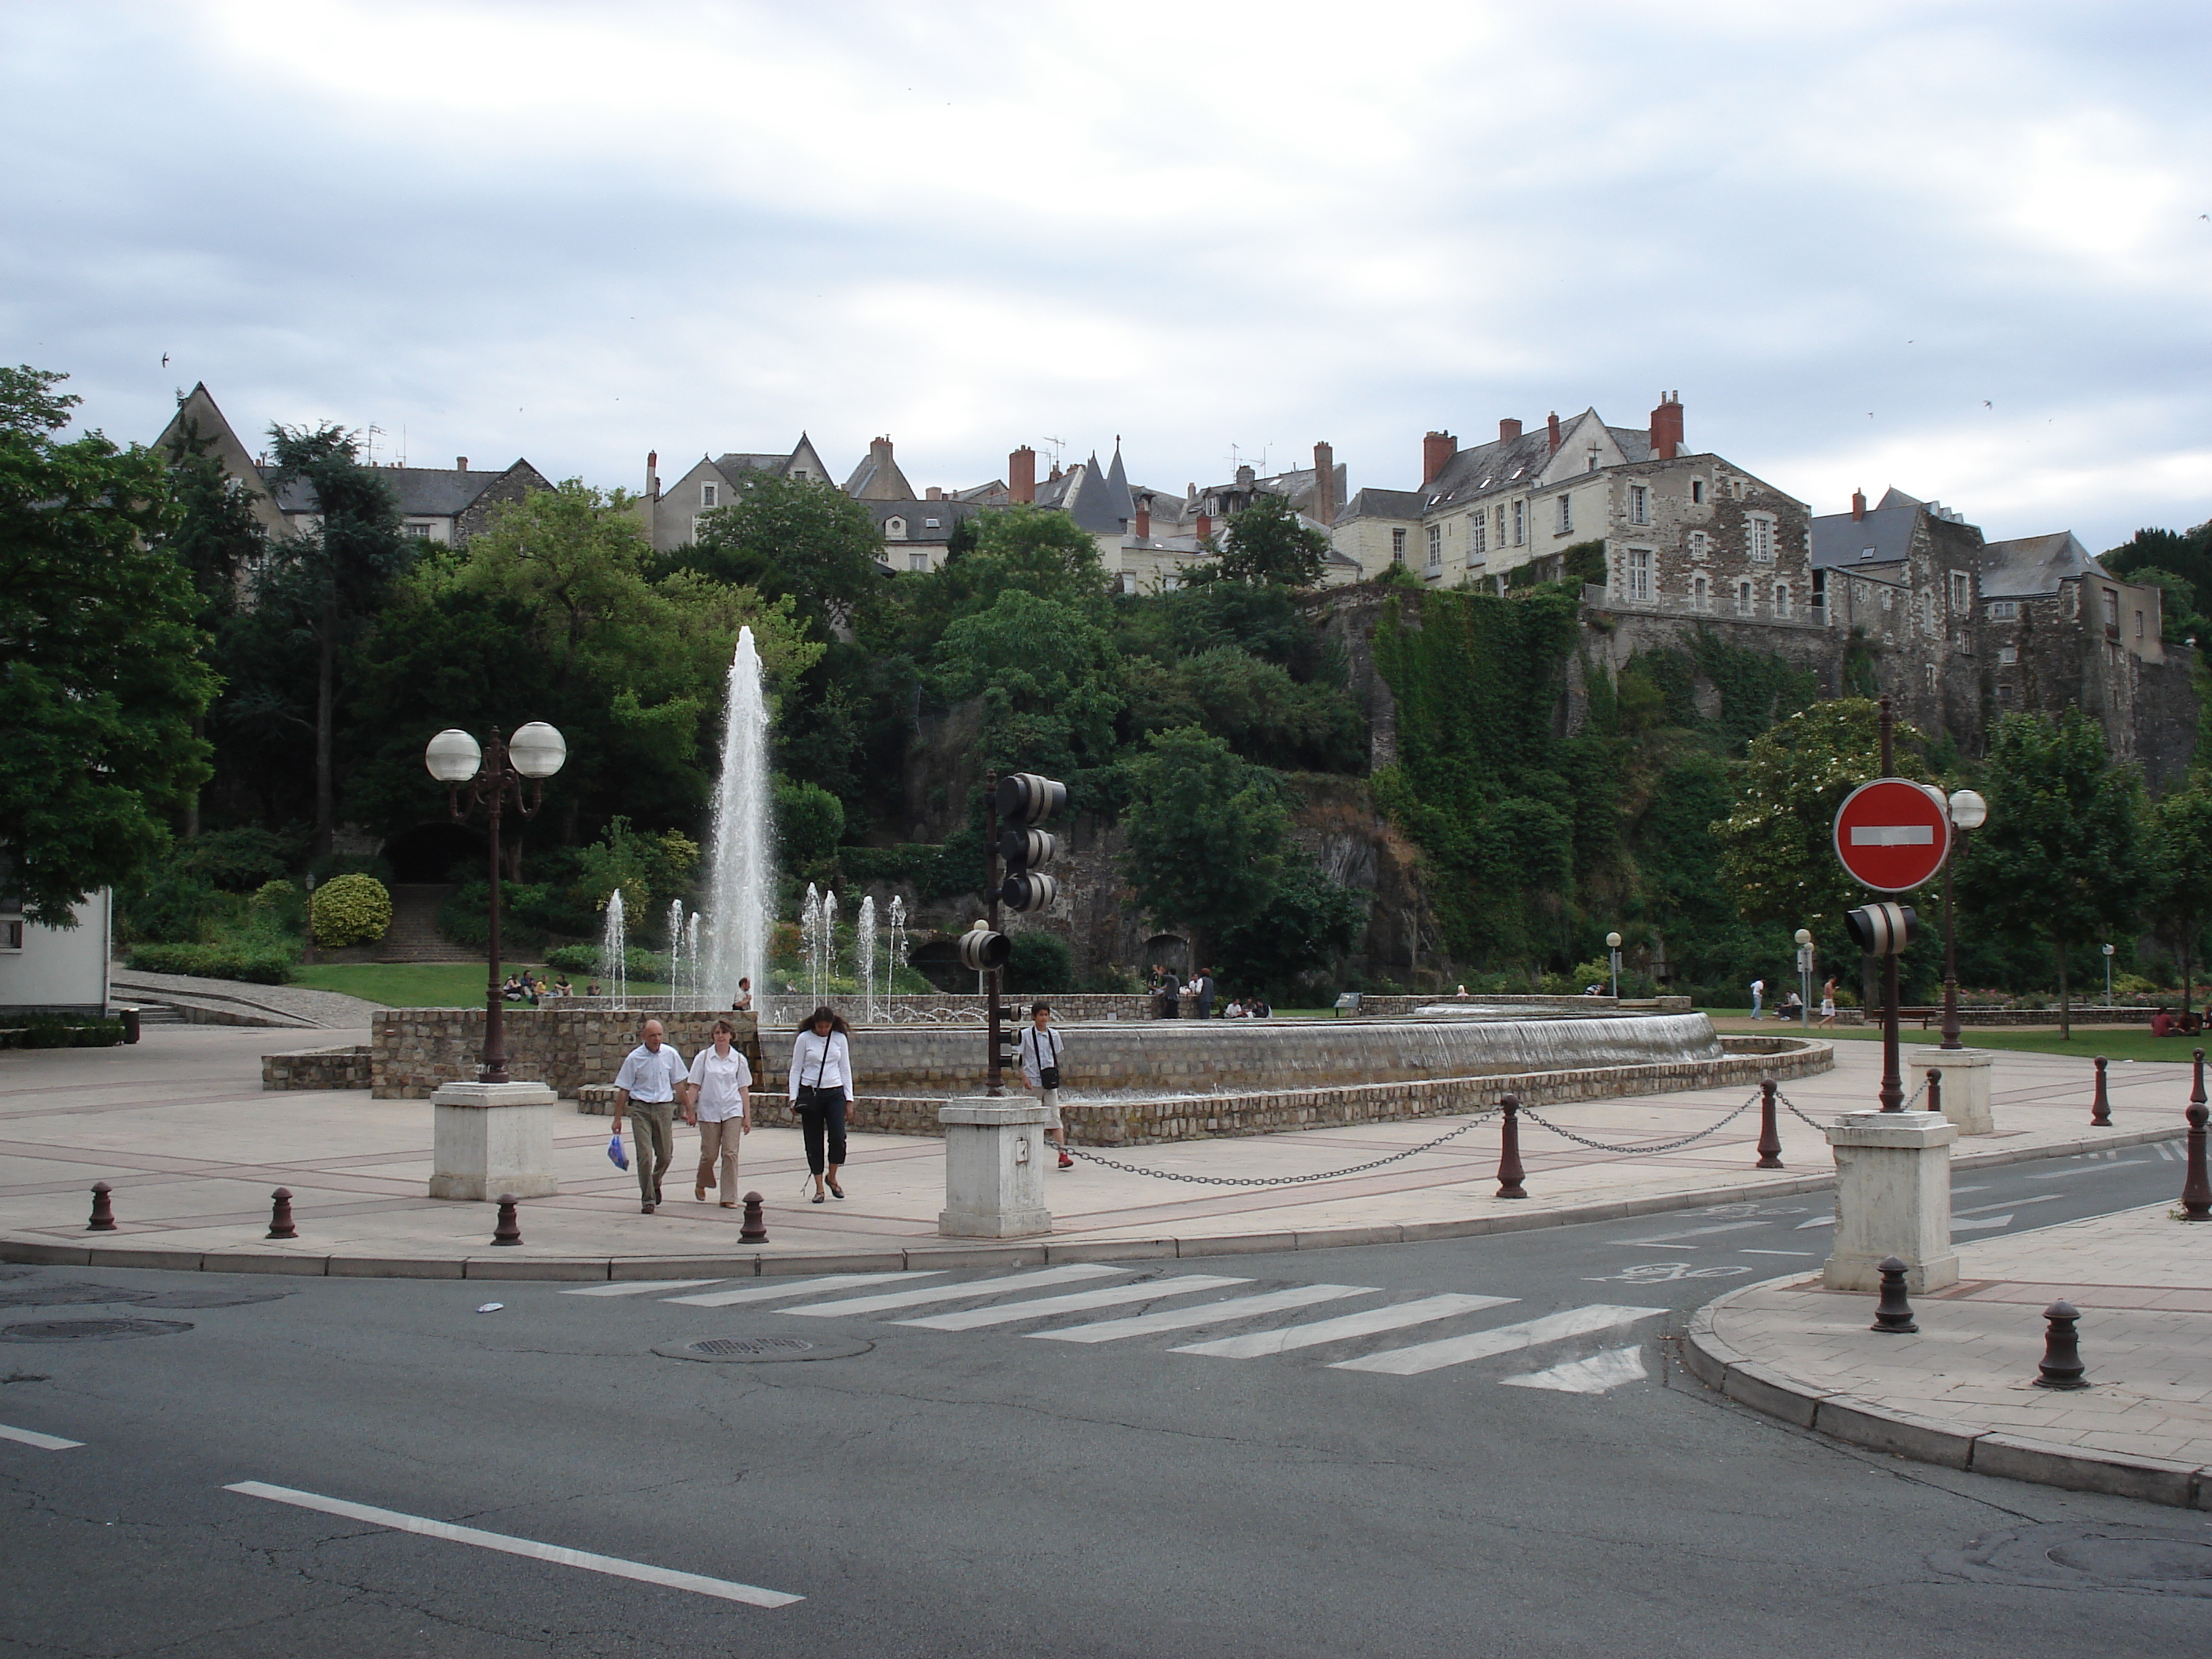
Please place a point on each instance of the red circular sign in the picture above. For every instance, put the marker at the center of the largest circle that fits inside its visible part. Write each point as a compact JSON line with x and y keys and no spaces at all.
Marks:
{"x":1891,"y":835}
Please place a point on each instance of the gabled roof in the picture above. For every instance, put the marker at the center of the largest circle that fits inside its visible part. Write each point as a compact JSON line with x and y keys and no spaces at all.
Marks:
{"x":1883,"y":536}
{"x":2035,"y":565}
{"x":1372,"y":503}
{"x":198,"y":418}
{"x":917,"y":515}
{"x":877,"y":477}
{"x":1524,"y":462}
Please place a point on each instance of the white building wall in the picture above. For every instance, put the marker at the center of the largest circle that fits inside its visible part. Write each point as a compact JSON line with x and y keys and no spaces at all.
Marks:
{"x":57,"y":968}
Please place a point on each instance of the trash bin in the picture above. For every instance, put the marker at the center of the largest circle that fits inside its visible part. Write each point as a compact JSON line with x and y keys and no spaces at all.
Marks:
{"x":130,"y":1019}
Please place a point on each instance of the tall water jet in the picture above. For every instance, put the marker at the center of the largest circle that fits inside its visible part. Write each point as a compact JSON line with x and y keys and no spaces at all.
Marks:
{"x":896,"y":953}
{"x":675,"y":948}
{"x":810,"y":940}
{"x":742,"y":876}
{"x":827,"y":941}
{"x":614,"y":953}
{"x":691,"y":957}
{"x":864,"y":951}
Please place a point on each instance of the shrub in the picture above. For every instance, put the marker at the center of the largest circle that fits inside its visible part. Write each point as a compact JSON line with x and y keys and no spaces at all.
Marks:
{"x":71,"y":1034}
{"x":256,"y":964}
{"x":236,"y":860}
{"x":354,"y":909}
{"x":175,"y":907}
{"x":808,"y":820}
{"x":1040,"y":963}
{"x":642,"y":965}
{"x":1111,"y":980}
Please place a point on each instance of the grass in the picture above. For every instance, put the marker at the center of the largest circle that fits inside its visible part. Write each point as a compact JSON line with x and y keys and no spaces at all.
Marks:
{"x":422,"y":984}
{"x":2115,"y":1042}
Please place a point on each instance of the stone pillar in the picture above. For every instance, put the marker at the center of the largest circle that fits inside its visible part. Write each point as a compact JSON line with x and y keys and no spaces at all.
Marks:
{"x":1892,"y":1198}
{"x":1965,"y":1084}
{"x":493,"y":1139}
{"x":994,"y":1160}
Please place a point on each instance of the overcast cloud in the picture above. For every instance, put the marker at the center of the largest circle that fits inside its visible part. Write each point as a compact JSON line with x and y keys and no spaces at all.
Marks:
{"x":1962,"y":249}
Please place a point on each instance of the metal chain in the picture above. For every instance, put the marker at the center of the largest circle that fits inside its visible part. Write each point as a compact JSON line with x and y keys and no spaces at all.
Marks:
{"x":1667,"y":1146}
{"x":1825,"y":1128}
{"x":1283,"y":1181}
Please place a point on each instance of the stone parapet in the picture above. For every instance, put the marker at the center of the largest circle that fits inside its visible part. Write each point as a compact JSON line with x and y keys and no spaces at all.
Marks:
{"x":318,"y":1068}
{"x":415,"y":1051}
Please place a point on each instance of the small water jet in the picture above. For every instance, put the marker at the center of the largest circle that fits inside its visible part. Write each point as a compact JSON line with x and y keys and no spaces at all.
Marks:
{"x":614,"y":953}
{"x":741,"y":883}
{"x":864,"y":952}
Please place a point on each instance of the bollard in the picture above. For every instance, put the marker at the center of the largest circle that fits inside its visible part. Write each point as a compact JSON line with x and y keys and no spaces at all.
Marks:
{"x":2196,"y":1090}
{"x":2100,"y":1106}
{"x":2061,"y":1366}
{"x":103,"y":1212}
{"x":2196,"y":1185}
{"x":755,"y":1230}
{"x":1892,"y":1316}
{"x":510,"y":1230}
{"x":1770,"y":1132}
{"x":1509,"y":1151}
{"x":1935,"y":1092}
{"x":280,"y":1216}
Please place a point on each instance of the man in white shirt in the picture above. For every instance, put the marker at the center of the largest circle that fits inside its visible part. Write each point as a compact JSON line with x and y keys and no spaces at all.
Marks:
{"x":1757,"y":996}
{"x":646,"y":1089}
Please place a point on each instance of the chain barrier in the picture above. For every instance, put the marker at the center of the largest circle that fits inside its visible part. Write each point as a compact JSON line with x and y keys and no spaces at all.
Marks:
{"x":1813,"y":1123}
{"x":1666,"y":1146}
{"x":1283,"y":1181}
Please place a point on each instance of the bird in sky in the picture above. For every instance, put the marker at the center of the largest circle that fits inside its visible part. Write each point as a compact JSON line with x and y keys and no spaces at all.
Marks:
{"x":1986,"y":404}
{"x":165,"y":360}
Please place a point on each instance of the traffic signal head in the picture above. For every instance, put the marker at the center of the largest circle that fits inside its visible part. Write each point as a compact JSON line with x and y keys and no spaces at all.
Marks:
{"x":1882,"y":930}
{"x":1029,"y":798}
{"x":1025,"y":849}
{"x":1026,"y":890}
{"x":982,"y":951}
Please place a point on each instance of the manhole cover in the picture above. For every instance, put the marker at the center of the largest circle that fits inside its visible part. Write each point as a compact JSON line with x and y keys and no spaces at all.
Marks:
{"x":758,"y":1350}
{"x":89,"y":1330}
{"x":59,"y":1294}
{"x":2154,"y":1560}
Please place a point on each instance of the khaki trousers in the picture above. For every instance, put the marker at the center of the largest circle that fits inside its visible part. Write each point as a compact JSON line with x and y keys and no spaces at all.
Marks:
{"x":718,"y":1144}
{"x":652,"y":1136}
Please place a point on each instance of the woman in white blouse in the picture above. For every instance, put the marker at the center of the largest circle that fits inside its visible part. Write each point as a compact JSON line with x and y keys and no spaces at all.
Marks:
{"x":720,"y":1105}
{"x":820,"y":1090}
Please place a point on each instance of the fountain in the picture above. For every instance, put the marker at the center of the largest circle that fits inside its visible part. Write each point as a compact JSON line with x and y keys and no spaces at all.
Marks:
{"x":674,"y":947}
{"x":741,"y":880}
{"x":614,"y":954}
{"x":864,"y":948}
{"x":691,"y":957}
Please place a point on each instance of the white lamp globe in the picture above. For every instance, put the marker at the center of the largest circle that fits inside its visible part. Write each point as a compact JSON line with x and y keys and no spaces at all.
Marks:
{"x":1612,"y":941}
{"x":1804,"y":936}
{"x":1968,"y":810}
{"x":537,"y":750}
{"x":453,"y":755}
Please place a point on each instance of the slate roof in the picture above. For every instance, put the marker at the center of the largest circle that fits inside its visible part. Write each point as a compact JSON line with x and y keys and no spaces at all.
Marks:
{"x":1841,"y":542}
{"x":422,"y":492}
{"x":2034,"y":565}
{"x":874,"y":481}
{"x":732,"y":464}
{"x":1506,"y":462}
{"x":1094,"y":503}
{"x":1372,"y":503}
{"x":918,"y":514}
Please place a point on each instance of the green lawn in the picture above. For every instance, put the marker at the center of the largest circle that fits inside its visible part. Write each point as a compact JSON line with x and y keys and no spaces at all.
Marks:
{"x":420,"y":984}
{"x":2115,"y":1044}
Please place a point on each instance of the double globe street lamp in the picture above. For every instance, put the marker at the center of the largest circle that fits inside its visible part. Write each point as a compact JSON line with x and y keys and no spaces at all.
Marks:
{"x":534,"y":753}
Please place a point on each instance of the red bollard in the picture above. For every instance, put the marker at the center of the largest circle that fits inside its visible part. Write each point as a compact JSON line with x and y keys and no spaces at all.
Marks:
{"x":510,"y":1230}
{"x":755,"y":1230}
{"x":1770,"y":1131}
{"x":2100,"y":1108}
{"x":1509,"y":1152}
{"x":2196,"y":1187}
{"x":103,"y":1212}
{"x":1935,"y":1092}
{"x":280,"y":1216}
{"x":2196,"y":1091}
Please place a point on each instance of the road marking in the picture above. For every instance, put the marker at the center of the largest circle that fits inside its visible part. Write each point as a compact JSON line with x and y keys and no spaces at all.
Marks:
{"x":1506,"y":1339}
{"x":2165,"y":1151}
{"x":955,"y":1292}
{"x":1114,"y":1295}
{"x":1293,"y":1337}
{"x":1817,"y":1221}
{"x":1747,"y":1251}
{"x":1985,"y":1224}
{"x":727,"y":1590}
{"x":1893,"y":835}
{"x":32,"y":1437}
{"x":2089,"y":1168}
{"x":638,"y":1286}
{"x":1960,"y":1191}
{"x":1211,"y":1313}
{"x":1597,"y":1374}
{"x":788,"y":1287}
{"x":2011,"y":1204}
{"x":1695,"y":1232}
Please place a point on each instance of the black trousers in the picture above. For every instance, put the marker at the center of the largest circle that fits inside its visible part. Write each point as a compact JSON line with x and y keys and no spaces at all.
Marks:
{"x":816,"y":1124}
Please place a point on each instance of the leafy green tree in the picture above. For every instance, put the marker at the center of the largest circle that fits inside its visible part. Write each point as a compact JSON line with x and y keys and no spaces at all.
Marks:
{"x":1265,"y":715}
{"x":2058,"y":860}
{"x":1019,"y":549}
{"x":802,"y":539}
{"x":1047,"y":670}
{"x":101,"y":672}
{"x":808,"y":822}
{"x":2177,"y":871}
{"x":1307,"y":923}
{"x":1208,"y":834}
{"x":218,"y":539}
{"x":2187,"y":554}
{"x":1268,"y":543}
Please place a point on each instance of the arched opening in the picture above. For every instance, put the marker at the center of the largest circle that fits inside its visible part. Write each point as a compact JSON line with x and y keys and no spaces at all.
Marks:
{"x":937,"y":961}
{"x":435,"y":852}
{"x":1168,"y":950}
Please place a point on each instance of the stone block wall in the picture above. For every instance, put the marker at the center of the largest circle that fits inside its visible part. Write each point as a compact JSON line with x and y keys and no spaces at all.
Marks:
{"x":413,"y":1050}
{"x":318,"y":1068}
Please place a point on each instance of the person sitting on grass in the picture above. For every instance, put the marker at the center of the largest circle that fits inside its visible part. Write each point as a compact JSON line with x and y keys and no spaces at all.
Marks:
{"x":512,"y":989}
{"x":2161,"y":1023}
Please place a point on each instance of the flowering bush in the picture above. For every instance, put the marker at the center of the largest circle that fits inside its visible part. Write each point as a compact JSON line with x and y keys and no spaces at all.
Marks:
{"x":351,"y":910}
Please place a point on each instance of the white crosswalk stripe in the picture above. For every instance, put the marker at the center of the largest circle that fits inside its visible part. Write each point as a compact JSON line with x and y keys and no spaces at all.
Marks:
{"x":1291,"y":1338}
{"x":638,"y":1286}
{"x":1598,"y":1374}
{"x":973,"y":1287}
{"x":1149,"y":1290}
{"x":1209,"y":1312}
{"x":775,"y":1289}
{"x":1505,"y":1339}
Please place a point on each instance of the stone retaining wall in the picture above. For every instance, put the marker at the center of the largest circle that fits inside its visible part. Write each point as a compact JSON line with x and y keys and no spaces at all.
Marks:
{"x":318,"y":1068}
{"x":413,"y":1050}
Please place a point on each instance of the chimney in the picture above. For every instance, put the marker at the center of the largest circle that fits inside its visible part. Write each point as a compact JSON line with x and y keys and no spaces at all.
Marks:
{"x":1145,"y":517}
{"x":1021,"y":474}
{"x":1858,"y":504}
{"x":652,"y":475}
{"x":1508,"y":430}
{"x":1054,"y":475}
{"x":1324,"y":496}
{"x":880,"y":452}
{"x":1667,"y":427}
{"x":1552,"y":428}
{"x":936,"y":493}
{"x":1436,"y":449}
{"x":1205,"y":527}
{"x":460,"y":463}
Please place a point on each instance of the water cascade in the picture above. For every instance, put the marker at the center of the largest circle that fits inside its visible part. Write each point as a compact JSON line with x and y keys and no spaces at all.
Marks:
{"x":864,"y":948}
{"x":741,"y":881}
{"x":826,"y":939}
{"x":614,"y":955}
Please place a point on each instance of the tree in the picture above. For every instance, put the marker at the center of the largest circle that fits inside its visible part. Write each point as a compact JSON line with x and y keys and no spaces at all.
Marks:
{"x":1308,"y":921}
{"x":1048,"y":672}
{"x":1268,"y":543}
{"x":2058,"y":860}
{"x":1025,"y":549}
{"x":803,"y":540}
{"x":218,"y":539}
{"x":101,"y":672}
{"x":332,"y":579}
{"x":2177,"y":888}
{"x":1207,"y":833}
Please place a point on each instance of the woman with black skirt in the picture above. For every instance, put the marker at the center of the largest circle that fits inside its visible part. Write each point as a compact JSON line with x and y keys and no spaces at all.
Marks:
{"x":820,"y":1090}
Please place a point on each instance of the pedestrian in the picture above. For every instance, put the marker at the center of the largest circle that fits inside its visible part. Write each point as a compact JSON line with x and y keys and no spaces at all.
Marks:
{"x":1204,"y":993}
{"x":820,"y":1090}
{"x":1828,"y":1002}
{"x":1171,"y":993}
{"x":721,"y":1108}
{"x":646,"y":1088}
{"x":1757,"y":996}
{"x":744,"y":1005}
{"x":1039,"y":1052}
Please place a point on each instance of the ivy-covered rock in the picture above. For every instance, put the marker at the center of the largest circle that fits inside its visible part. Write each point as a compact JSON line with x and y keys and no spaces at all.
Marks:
{"x":351,"y":910}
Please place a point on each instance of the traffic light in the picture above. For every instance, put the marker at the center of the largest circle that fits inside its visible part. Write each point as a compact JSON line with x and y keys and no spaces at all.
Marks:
{"x":982,"y":951}
{"x":1024,"y":799}
{"x":1882,"y":930}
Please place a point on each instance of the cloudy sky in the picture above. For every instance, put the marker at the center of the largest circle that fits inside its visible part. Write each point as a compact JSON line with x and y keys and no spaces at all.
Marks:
{"x":1960,"y":248}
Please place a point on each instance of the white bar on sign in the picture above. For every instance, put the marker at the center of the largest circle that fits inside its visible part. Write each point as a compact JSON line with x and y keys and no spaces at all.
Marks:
{"x":1893,"y":835}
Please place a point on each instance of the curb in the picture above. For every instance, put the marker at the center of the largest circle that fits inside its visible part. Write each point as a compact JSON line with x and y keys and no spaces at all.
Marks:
{"x":1926,"y":1440}
{"x":45,"y":1251}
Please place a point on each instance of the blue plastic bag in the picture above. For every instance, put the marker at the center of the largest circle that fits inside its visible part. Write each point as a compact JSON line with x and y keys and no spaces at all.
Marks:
{"x":616,"y":1156}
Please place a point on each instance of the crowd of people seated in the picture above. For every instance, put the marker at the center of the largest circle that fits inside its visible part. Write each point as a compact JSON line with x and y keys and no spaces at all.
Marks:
{"x":523,"y":985}
{"x":2165,"y":1022}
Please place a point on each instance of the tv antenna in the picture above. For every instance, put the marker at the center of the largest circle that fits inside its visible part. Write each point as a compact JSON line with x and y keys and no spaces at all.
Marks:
{"x":374,"y":429}
{"x":1052,"y":447}
{"x":1237,"y":457}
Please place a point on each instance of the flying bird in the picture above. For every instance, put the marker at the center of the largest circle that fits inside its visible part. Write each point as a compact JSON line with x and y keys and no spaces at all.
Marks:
{"x":1986,"y":404}
{"x":165,"y":360}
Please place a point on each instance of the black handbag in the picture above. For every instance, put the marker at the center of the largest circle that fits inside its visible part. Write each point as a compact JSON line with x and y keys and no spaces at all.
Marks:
{"x":1048,"y":1076}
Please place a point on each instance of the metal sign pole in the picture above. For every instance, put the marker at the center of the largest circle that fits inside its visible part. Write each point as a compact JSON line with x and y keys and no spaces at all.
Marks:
{"x":1892,"y":1084}
{"x":994,"y":1083}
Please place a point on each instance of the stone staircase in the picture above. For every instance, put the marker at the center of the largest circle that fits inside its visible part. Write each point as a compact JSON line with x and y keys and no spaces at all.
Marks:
{"x":413,"y":936}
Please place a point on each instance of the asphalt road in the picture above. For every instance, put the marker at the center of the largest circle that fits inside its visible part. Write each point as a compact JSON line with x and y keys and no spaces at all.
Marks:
{"x":1438,"y":1488}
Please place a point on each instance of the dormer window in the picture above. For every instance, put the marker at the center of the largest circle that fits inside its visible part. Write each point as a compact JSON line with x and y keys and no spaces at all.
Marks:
{"x":930,"y":523}
{"x":895,"y":529}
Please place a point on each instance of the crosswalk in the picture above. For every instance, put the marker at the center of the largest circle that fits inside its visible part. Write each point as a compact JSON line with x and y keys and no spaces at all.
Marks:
{"x":1091,"y":1303}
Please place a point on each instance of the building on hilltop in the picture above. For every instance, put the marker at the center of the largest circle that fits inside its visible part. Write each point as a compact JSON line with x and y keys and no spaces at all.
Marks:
{"x":1171,"y":532}
{"x":672,"y":515}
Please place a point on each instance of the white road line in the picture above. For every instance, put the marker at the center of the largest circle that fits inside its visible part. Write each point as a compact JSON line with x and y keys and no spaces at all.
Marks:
{"x":1983,"y":1225}
{"x":1747,"y":1251}
{"x":1817,"y":1221}
{"x":2165,"y":1151}
{"x":32,"y":1437}
{"x":1596,"y":1375}
{"x":1291,"y":1338}
{"x":2010,"y":1203}
{"x":638,"y":1286}
{"x":727,"y":1590}
{"x":864,"y":1305}
{"x":1960,"y":1191}
{"x":1114,"y":1295}
{"x":1696,"y":1232}
{"x":2088,"y":1169}
{"x":1506,"y":1339}
{"x":1212,"y":1313}
{"x":776,"y":1289}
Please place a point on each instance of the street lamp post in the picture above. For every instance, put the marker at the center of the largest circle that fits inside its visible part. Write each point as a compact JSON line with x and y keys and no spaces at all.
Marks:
{"x":1613,"y":954}
{"x":1967,"y":812}
{"x":2108,"y":976}
{"x":1805,"y":977}
{"x":534,"y":753}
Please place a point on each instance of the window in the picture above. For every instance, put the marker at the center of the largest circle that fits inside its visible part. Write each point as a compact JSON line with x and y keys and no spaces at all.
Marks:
{"x":1887,"y":599}
{"x":1501,"y":526}
{"x":420,"y":533}
{"x":1639,"y":573}
{"x":1927,"y":613}
{"x":2008,"y":655}
{"x":1931,"y":676}
{"x":1397,"y":547}
{"x":1866,"y":552}
{"x":1744,"y":599}
{"x":1520,"y":523}
{"x":1478,"y":540}
{"x":709,"y":495}
{"x":895,"y":529}
{"x":917,"y":560}
{"x":1436,"y":547}
{"x":1696,"y":492}
{"x":2111,"y":611}
{"x":2004,"y":696}
{"x":2139,"y":624}
{"x":1781,"y":598}
{"x":1701,"y":544}
{"x":1962,"y":591}
{"x":1759,"y":529}
{"x":932,"y":523}
{"x":1566,"y":521}
{"x":1639,"y":504}
{"x":11,"y":921}
{"x":2003,"y":610}
{"x":1701,"y":597}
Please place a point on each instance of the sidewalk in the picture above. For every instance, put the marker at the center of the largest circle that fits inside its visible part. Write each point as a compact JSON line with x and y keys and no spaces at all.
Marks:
{"x":179,"y":1125}
{"x":1961,"y":1393}
{"x":229,"y":1001}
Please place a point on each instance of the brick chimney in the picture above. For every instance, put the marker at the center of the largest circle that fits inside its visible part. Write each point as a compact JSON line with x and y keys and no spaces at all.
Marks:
{"x":1205,"y":526}
{"x":1324,"y":496}
{"x":1667,"y":427}
{"x":1858,"y":504}
{"x":1437,"y":450}
{"x":652,"y":475}
{"x":1552,"y":428}
{"x":1144,"y":516}
{"x":1508,"y":430}
{"x":936,"y":494}
{"x":460,"y":463}
{"x":1021,"y":474}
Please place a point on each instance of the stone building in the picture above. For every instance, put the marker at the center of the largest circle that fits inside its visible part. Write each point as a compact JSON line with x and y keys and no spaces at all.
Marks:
{"x":672,"y":515}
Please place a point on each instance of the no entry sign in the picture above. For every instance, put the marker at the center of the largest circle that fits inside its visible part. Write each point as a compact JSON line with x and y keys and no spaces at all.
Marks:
{"x":1891,"y":835}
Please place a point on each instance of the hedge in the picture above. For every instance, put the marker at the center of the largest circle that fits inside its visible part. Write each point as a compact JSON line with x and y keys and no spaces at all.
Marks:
{"x":68,"y":1034}
{"x":266,"y":965}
